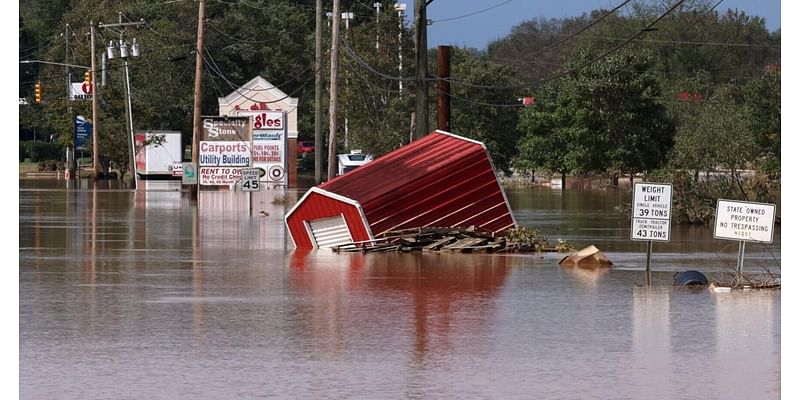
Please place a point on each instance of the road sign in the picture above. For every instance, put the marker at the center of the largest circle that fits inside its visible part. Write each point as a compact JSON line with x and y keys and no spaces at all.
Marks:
{"x":745,"y":221}
{"x":189,"y":173}
{"x":250,"y":178}
{"x":652,"y":211}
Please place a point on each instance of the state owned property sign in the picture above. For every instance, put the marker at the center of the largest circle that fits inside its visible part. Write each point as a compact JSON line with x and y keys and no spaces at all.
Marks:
{"x":744,"y":221}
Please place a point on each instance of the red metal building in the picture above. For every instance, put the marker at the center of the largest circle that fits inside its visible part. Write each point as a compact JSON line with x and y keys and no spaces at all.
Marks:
{"x":441,"y":180}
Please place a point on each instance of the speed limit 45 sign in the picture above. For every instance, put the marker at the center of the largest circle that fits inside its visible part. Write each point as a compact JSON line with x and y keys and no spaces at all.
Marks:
{"x":250,"y":177}
{"x":652,"y":211}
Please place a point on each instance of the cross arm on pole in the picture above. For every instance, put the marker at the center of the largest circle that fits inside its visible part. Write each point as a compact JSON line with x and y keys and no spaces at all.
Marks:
{"x":53,"y":63}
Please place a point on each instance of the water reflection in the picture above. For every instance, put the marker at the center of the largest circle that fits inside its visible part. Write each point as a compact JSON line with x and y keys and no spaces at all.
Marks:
{"x":425,"y":294}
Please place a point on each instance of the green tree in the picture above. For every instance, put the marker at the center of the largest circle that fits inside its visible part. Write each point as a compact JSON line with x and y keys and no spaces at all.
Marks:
{"x":763,"y":109}
{"x":604,"y":115}
{"x":484,"y":104}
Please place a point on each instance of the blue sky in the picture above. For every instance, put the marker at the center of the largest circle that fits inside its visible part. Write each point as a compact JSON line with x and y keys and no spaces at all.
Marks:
{"x":479,"y":29}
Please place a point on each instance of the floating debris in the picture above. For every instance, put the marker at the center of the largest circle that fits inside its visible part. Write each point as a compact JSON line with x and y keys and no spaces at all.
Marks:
{"x":467,"y":240}
{"x":765,"y":280}
{"x":689,"y":279}
{"x":589,"y":257}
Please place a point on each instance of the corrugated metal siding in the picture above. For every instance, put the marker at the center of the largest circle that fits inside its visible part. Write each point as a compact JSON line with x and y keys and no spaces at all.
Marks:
{"x":330,"y":232}
{"x":439,"y":180}
{"x":317,"y":206}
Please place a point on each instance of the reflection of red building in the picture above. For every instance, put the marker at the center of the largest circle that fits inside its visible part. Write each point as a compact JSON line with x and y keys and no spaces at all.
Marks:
{"x":425,"y":300}
{"x":441,"y":180}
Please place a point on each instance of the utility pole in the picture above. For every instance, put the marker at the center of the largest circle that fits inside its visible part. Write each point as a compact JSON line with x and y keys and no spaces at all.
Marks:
{"x":443,"y":88}
{"x":401,"y":9}
{"x":334,"y":89}
{"x":347,"y":17}
{"x":198,"y":69}
{"x":421,"y":51}
{"x":95,"y":126}
{"x":123,"y":51}
{"x":318,"y":97}
{"x":377,"y":6}
{"x":66,"y":67}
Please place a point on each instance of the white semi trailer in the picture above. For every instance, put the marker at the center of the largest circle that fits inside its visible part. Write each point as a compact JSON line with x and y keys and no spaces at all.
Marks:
{"x":158,"y":154}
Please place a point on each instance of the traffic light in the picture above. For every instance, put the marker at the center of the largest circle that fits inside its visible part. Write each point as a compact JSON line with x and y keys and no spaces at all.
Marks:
{"x":37,"y":92}
{"x":87,"y":77}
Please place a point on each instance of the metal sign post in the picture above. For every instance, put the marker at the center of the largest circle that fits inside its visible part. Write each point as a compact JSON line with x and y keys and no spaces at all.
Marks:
{"x":651,"y":216}
{"x":250,"y":183}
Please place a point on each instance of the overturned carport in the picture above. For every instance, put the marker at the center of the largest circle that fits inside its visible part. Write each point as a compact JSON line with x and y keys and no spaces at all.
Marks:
{"x":441,"y":180}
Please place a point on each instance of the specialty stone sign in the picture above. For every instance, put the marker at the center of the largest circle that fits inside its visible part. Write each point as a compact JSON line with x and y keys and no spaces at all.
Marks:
{"x":224,"y":150}
{"x":745,"y":221}
{"x":652,"y":211}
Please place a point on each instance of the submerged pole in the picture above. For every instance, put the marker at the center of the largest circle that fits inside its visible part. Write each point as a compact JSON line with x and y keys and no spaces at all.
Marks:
{"x":648,"y":277}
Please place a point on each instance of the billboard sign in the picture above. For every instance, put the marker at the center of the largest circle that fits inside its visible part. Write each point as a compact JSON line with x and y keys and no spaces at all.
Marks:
{"x":80,"y":91}
{"x":269,"y":143}
{"x":224,"y":150}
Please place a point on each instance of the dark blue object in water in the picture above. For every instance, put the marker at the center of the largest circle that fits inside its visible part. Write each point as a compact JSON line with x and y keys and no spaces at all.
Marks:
{"x":690,"y":278}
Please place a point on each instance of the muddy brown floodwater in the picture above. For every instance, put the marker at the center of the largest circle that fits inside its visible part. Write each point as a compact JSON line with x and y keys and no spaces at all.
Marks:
{"x":140,"y":295}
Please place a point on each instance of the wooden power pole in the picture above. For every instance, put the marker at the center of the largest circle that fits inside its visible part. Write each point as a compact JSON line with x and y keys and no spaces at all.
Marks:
{"x":334,"y":88}
{"x":198,"y":92}
{"x":421,"y":51}
{"x":443,"y":88}
{"x":95,"y":127}
{"x":318,"y":98}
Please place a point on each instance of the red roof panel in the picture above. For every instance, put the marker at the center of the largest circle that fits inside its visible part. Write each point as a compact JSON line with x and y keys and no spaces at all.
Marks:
{"x":441,"y":180}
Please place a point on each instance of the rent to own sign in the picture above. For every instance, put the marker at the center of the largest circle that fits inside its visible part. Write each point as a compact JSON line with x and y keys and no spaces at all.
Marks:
{"x":224,"y":150}
{"x":745,"y":221}
{"x":652,"y":211}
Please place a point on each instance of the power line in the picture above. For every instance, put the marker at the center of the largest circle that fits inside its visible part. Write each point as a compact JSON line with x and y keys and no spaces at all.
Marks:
{"x":605,"y":54}
{"x":593,"y":23}
{"x":471,"y":14}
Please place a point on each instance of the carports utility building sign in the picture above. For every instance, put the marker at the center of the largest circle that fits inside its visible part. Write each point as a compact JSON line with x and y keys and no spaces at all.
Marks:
{"x":224,"y":149}
{"x":652,"y":211}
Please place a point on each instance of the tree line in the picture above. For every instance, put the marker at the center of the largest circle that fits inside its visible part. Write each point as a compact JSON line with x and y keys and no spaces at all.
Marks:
{"x":644,"y":89}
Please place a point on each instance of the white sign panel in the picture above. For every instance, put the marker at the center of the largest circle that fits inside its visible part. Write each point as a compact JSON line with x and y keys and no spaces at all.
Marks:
{"x":652,"y":211}
{"x":219,"y":175}
{"x":224,"y":154}
{"x":745,"y":221}
{"x":269,"y":144}
{"x":224,"y":150}
{"x":80,"y":91}
{"x":250,"y":178}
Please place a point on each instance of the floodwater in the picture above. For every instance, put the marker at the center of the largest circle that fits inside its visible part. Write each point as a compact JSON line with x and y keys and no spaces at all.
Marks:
{"x":142,"y":295}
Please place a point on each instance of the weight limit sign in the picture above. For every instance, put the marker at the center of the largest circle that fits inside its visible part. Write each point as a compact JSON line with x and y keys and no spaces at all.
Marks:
{"x":652,"y":211}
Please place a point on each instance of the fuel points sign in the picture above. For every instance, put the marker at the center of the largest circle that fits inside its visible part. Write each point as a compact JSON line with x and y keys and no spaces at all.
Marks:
{"x":652,"y":211}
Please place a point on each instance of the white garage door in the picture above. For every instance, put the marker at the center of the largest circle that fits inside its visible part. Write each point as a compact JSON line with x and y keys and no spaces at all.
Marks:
{"x":330,"y":232}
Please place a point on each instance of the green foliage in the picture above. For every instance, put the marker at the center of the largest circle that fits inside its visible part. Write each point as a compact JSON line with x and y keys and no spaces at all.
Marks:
{"x":377,"y":112}
{"x":50,"y":166}
{"x":42,"y":151}
{"x":694,"y":200}
{"x":600,"y":117}
{"x":472,"y":113}
{"x":718,"y":136}
{"x":23,"y":151}
{"x":534,"y":239}
{"x":762,"y":102}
